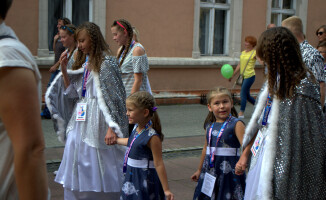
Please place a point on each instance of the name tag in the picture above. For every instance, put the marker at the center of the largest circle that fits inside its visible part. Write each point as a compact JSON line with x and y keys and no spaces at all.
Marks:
{"x":81,"y":112}
{"x":258,"y":141}
{"x":208,"y":184}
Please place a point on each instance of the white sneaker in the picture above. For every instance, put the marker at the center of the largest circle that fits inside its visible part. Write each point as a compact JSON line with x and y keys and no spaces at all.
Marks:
{"x":241,"y":117}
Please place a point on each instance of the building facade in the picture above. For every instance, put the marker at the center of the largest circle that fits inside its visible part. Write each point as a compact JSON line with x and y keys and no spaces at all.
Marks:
{"x":187,"y":41}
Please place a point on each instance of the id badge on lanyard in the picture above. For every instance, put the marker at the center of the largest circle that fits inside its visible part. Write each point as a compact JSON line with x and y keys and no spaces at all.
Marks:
{"x":260,"y":138}
{"x":82,"y":107}
{"x":208,"y":184}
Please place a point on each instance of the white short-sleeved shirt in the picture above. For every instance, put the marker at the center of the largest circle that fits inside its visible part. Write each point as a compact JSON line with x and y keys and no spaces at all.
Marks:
{"x":135,"y":64}
{"x":12,"y":54}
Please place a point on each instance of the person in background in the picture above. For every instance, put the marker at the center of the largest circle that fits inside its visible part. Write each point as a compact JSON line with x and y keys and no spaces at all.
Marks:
{"x":311,"y":57}
{"x":247,"y":69}
{"x":321,"y":33}
{"x":58,"y":49}
{"x":132,"y":59}
{"x":269,"y":26}
{"x":22,"y":164}
{"x":321,"y":47}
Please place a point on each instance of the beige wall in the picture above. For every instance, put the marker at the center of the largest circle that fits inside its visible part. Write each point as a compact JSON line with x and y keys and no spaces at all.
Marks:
{"x":253,"y":19}
{"x":166,"y":27}
{"x":316,"y":18}
{"x":23,"y":19}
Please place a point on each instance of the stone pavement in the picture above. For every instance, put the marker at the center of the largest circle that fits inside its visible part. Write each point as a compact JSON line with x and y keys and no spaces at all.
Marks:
{"x":182,"y":126}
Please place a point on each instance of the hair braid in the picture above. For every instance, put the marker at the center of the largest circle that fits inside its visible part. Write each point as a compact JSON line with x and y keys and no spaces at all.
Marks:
{"x":125,"y":48}
{"x":280,"y":50}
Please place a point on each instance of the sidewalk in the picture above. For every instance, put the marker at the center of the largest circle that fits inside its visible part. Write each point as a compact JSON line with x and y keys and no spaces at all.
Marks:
{"x":184,"y":139}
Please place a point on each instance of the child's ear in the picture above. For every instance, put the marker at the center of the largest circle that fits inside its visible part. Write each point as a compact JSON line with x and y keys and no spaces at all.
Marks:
{"x":146,"y":112}
{"x":209,"y":108}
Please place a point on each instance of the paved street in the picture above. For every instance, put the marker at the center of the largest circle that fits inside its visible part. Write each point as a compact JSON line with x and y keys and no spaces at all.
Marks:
{"x":184,"y":137}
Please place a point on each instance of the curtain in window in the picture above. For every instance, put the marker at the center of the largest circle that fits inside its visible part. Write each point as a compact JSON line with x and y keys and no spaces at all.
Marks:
{"x":55,"y":11}
{"x":80,"y":11}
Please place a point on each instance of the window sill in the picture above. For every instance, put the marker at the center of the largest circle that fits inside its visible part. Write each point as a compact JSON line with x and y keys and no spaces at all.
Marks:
{"x":168,"y":62}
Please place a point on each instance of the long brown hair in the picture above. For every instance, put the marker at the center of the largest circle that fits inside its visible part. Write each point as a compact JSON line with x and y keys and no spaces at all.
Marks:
{"x":280,"y":50}
{"x":213,"y":93}
{"x":99,"y":48}
{"x":129,"y":30}
{"x":144,"y":100}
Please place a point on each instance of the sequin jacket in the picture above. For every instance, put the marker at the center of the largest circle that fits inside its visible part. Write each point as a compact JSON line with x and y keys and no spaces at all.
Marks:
{"x":293,"y":165}
{"x":111,"y":97}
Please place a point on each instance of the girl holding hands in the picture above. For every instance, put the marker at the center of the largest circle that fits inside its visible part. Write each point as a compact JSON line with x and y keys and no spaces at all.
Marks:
{"x":220,"y":168}
{"x":145,"y":176}
{"x":93,"y":99}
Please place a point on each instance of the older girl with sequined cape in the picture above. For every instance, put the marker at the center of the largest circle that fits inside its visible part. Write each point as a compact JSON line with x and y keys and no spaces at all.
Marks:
{"x":291,"y":162}
{"x":88,"y":164}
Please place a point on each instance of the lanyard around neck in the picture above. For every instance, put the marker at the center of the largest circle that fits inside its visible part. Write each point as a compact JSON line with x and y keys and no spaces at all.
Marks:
{"x":136,"y":135}
{"x":268,"y":108}
{"x":219,"y":135}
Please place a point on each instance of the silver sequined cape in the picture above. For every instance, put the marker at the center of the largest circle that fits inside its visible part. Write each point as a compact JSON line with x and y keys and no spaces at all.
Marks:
{"x":111,"y":98}
{"x":294,"y":162}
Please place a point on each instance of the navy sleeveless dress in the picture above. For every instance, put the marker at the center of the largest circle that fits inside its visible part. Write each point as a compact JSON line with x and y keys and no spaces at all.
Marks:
{"x":228,"y":185}
{"x":142,"y":182}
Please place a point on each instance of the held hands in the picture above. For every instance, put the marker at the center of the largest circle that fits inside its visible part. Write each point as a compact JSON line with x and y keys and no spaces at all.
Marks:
{"x":169,"y":195}
{"x":110,"y":137}
{"x":241,"y":165}
{"x":195,"y":176}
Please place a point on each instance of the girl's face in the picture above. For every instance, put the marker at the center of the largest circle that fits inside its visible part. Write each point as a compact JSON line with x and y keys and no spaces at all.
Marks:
{"x":134,"y":114}
{"x":322,"y":51}
{"x":84,"y":42}
{"x":66,"y":39}
{"x":321,"y":34}
{"x":220,"y":105}
{"x":120,"y":37}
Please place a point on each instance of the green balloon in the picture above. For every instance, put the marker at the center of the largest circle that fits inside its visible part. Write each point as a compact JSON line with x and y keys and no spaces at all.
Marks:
{"x":227,"y":71}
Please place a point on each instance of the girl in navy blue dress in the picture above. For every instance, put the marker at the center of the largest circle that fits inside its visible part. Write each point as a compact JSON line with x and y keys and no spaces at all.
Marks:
{"x":145,"y":176}
{"x":220,"y":172}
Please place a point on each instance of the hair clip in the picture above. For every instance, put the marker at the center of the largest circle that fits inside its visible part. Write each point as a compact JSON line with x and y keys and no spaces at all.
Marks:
{"x":154,"y":109}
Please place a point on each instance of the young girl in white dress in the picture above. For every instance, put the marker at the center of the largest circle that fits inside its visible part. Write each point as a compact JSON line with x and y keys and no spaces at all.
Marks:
{"x":95,"y":97}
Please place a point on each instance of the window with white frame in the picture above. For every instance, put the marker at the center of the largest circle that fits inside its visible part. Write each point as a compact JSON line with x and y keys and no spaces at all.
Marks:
{"x":214,"y":27}
{"x":78,"y":11}
{"x":282,"y":9}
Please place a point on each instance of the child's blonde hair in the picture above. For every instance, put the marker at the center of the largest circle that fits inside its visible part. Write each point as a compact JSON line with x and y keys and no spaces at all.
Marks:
{"x":213,"y":93}
{"x":144,"y":100}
